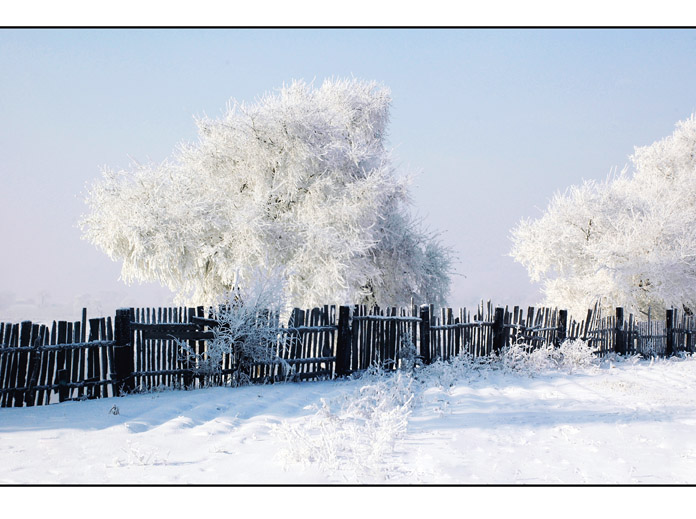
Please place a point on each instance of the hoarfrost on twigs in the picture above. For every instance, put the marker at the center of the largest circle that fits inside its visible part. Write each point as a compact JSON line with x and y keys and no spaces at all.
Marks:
{"x":301,"y":180}
{"x":629,"y":241}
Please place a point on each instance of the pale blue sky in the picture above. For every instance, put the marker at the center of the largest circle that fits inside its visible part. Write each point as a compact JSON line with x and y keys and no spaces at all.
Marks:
{"x":493,"y":121}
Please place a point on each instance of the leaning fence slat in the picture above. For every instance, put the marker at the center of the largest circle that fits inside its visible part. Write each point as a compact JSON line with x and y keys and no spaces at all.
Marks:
{"x":200,"y":344}
{"x":499,"y":330}
{"x":92,"y":366}
{"x":356,"y":331}
{"x":52,"y":361}
{"x":11,"y":379}
{"x":104,"y":355}
{"x":425,"y":334}
{"x":669,"y":331}
{"x":23,"y":357}
{"x":34,"y":364}
{"x":5,"y":361}
{"x":43,"y":367}
{"x":344,"y":341}
{"x":123,"y":353}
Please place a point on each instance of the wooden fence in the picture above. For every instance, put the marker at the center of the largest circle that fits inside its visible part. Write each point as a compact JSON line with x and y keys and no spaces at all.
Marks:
{"x":146,"y":348}
{"x":38,"y":364}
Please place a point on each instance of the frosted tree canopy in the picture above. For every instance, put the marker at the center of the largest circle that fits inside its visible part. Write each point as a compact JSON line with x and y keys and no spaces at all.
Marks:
{"x":628,"y":241}
{"x":299,"y":182}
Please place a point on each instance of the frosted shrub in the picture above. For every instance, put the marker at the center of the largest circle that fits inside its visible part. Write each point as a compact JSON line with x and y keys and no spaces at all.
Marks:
{"x":570,"y":356}
{"x":248,"y":330}
{"x":525,"y":359}
{"x":577,"y":354}
{"x":407,"y":352}
{"x":356,"y":432}
{"x":446,"y":374}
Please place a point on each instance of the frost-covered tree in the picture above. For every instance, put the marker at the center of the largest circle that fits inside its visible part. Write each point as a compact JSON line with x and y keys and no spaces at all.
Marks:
{"x":300,"y":180}
{"x":628,"y":241}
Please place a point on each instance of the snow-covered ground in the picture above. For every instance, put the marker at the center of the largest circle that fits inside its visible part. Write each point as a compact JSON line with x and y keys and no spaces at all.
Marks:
{"x":527,"y":420}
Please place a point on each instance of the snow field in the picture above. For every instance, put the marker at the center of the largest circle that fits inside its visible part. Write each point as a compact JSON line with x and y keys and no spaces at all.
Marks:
{"x":524,"y":419}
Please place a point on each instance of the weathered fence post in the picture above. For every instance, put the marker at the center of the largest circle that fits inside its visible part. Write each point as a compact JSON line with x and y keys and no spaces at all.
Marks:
{"x":123,"y":352}
{"x":24,"y":341}
{"x":562,"y":331}
{"x":498,"y":330}
{"x":34,"y":365}
{"x":588,"y":322}
{"x":425,"y":334}
{"x":343,"y":342}
{"x":669,"y":332}
{"x":92,"y":366}
{"x":63,"y":379}
{"x":620,"y":343}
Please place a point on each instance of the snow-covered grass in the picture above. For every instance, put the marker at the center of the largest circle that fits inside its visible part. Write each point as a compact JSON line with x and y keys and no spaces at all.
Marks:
{"x":549,"y":416}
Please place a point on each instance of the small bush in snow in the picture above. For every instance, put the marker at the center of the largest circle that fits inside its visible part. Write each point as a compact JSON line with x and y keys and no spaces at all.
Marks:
{"x":248,"y":330}
{"x":577,"y":354}
{"x":356,"y":432}
{"x":570,"y":356}
{"x":407,"y":353}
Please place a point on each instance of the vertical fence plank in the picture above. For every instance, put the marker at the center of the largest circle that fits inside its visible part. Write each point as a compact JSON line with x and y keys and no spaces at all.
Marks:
{"x":344,"y":342}
{"x":392,"y":345}
{"x":93,"y":360}
{"x":104,"y":357}
{"x":62,"y":377}
{"x":78,"y":360}
{"x":23,"y":357}
{"x":425,"y":334}
{"x":629,"y":336}
{"x":11,"y":378}
{"x":619,"y":344}
{"x":108,"y":362}
{"x":356,"y":333}
{"x":312,"y":317}
{"x":34,"y":364}
{"x":562,"y":331}
{"x":331,"y":337}
{"x":191,"y":362}
{"x":83,"y":338}
{"x":123,"y":352}
{"x":170,"y":380}
{"x":499,"y":330}
{"x":52,"y":362}
{"x":70,"y":339}
{"x":5,"y":361}
{"x":328,"y":348}
{"x":366,"y":357}
{"x":176,"y":352}
{"x":149,"y":347}
{"x":43,"y":369}
{"x":159,"y":346}
{"x":669,"y":331}
{"x":201,"y":345}
{"x":294,"y":337}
